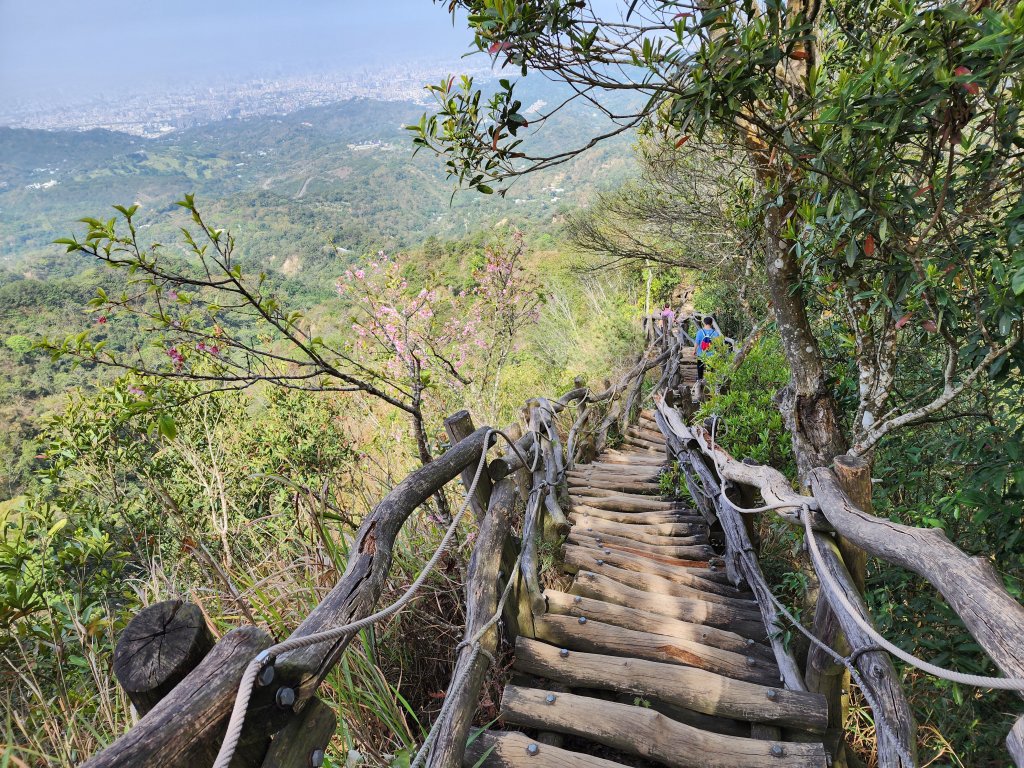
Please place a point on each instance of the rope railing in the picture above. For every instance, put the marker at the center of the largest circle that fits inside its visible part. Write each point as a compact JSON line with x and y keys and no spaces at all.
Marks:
{"x":970,"y":585}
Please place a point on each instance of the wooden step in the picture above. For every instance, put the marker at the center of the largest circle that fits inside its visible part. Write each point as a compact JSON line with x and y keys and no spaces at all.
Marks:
{"x":679,"y":525}
{"x":689,"y":557}
{"x":627,"y":503}
{"x":646,"y":733}
{"x":645,"y":621}
{"x":601,"y":587}
{"x":511,"y":749}
{"x":638,"y":532}
{"x":687,"y":687}
{"x":621,"y":486}
{"x":655,"y":584}
{"x":597,"y":637}
{"x":585,"y":558}
{"x":632,"y":545}
{"x":608,"y":493}
{"x":678,"y":516}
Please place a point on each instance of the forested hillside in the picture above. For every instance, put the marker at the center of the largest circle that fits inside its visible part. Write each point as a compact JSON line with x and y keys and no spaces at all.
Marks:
{"x":226,"y":345}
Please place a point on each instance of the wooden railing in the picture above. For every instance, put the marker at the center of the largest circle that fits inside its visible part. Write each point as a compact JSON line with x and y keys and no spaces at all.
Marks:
{"x":184,"y":685}
{"x":836,"y":513}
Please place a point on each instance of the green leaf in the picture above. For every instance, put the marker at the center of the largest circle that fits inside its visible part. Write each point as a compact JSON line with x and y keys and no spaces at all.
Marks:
{"x":166,"y":426}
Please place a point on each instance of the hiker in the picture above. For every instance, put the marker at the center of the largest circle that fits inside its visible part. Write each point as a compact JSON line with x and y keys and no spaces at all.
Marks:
{"x":705,"y":336}
{"x":668,"y":313}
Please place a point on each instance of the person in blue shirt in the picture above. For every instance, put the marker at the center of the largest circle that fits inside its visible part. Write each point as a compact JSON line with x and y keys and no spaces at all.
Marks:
{"x":705,"y":336}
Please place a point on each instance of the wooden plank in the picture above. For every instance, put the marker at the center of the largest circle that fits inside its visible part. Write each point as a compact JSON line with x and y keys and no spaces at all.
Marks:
{"x":645,"y":621}
{"x":597,"y":637}
{"x":679,"y":517}
{"x":1015,"y":742}
{"x":666,"y":533}
{"x":599,"y":542}
{"x":586,"y":558}
{"x":511,"y":749}
{"x":631,"y":545}
{"x":653,"y":584}
{"x":687,"y":687}
{"x":596,"y":481}
{"x":186,"y":728}
{"x":601,"y":587}
{"x":624,"y":503}
{"x":641,"y":731}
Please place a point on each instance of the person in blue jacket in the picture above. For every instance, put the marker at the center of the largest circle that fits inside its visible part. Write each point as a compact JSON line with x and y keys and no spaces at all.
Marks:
{"x":705,"y":336}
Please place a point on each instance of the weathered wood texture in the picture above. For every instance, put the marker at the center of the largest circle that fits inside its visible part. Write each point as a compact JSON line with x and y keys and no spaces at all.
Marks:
{"x":370,"y":555}
{"x":185,"y":728}
{"x":606,"y":589}
{"x":158,"y":648}
{"x":481,"y":603}
{"x":1015,"y":742}
{"x":688,"y":687}
{"x":597,"y":637}
{"x":509,"y":749}
{"x":303,"y":741}
{"x":642,"y":731}
{"x":459,"y":426}
{"x":970,"y":585}
{"x":659,"y":624}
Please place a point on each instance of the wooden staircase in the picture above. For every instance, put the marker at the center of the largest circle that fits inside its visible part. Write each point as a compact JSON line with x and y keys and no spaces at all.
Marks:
{"x":653,"y":657}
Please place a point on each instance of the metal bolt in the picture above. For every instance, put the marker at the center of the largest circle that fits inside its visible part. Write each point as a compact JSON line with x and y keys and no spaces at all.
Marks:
{"x":532,"y":750}
{"x":285,"y":697}
{"x":316,"y":758}
{"x":590,"y":529}
{"x":550,"y":698}
{"x":607,"y":551}
{"x":751,"y":661}
{"x":564,"y":653}
{"x":712,"y":568}
{"x":583,"y":619}
{"x":265,"y":676}
{"x":777,"y":750}
{"x":600,"y":562}
{"x":577,"y":599}
{"x":772,"y":694}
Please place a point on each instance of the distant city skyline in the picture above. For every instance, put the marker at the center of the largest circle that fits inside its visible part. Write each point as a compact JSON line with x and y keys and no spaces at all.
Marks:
{"x":66,"y":52}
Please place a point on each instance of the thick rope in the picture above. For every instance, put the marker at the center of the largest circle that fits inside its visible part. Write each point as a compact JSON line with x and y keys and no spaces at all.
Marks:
{"x":980,"y":681}
{"x":245,"y":686}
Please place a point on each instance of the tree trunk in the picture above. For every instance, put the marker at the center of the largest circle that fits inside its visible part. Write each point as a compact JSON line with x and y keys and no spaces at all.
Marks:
{"x":807,"y":404}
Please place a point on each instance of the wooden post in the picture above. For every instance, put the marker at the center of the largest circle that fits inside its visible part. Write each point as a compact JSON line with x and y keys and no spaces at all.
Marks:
{"x":304,"y":740}
{"x":824,"y":675}
{"x":482,"y":586}
{"x":158,"y":648}
{"x":186,"y":728}
{"x":460,"y":426}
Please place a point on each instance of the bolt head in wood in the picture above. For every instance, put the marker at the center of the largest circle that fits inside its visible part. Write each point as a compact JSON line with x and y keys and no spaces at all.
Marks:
{"x":532,"y":750}
{"x":316,"y":758}
{"x":550,"y":698}
{"x":772,"y":694}
{"x":777,"y":750}
{"x":750,"y":643}
{"x":285,"y":697}
{"x":564,"y":653}
{"x":600,"y":562}
{"x":577,"y":599}
{"x":583,"y":619}
{"x":751,"y":661}
{"x":265,"y":676}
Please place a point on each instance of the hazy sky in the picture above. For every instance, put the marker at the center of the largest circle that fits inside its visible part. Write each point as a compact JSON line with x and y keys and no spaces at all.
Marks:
{"x":63,"y":49}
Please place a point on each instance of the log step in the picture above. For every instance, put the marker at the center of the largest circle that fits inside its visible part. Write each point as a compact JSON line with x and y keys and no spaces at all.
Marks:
{"x":646,"y":733}
{"x":687,"y":687}
{"x":511,"y":749}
